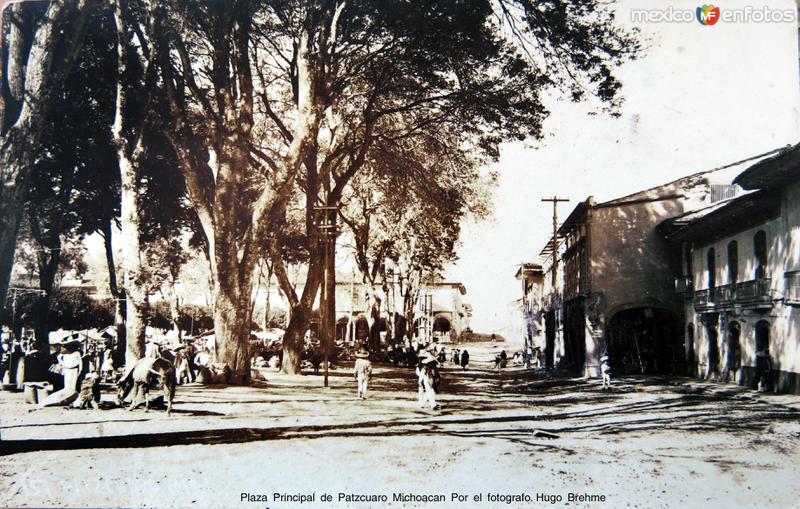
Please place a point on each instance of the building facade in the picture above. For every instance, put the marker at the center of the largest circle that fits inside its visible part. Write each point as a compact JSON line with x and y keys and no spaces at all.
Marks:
{"x":615,"y":290}
{"x":532,"y":277}
{"x":739,"y":277}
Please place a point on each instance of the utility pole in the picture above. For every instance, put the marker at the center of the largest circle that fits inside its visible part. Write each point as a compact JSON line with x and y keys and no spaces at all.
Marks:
{"x":555,"y":200}
{"x":326,"y":224}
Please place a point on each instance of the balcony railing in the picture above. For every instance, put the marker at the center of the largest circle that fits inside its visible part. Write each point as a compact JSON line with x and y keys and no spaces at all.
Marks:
{"x":725,"y":295}
{"x":792,"y":293}
{"x":684,"y":284}
{"x":748,"y":294}
{"x":754,"y":293}
{"x":704,"y":300}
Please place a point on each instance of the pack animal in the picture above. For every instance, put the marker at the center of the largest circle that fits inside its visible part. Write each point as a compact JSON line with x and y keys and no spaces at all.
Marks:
{"x":147,"y":373}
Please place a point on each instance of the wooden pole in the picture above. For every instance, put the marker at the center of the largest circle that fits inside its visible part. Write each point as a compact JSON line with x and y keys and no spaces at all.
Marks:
{"x":555,"y":200}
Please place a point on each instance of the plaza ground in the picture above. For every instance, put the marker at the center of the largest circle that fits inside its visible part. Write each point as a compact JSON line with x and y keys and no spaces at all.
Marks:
{"x":649,"y":442}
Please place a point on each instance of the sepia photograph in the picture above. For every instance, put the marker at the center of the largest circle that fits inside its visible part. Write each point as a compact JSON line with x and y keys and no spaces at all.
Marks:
{"x":309,"y":254}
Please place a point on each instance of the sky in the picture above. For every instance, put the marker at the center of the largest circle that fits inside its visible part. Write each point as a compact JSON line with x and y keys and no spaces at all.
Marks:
{"x":700,"y":97}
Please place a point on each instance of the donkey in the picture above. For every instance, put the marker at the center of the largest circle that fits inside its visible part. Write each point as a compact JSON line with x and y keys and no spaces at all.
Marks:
{"x":145,"y":374}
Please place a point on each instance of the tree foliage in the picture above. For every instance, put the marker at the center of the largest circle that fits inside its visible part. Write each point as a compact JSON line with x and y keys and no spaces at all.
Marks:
{"x":383,"y":108}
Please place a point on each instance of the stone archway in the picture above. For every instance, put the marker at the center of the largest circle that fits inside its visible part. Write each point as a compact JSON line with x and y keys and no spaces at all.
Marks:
{"x":764,"y":375}
{"x":361,"y":333}
{"x":642,"y":340}
{"x":342,"y":333}
{"x":442,"y":328}
{"x":733,"y":361}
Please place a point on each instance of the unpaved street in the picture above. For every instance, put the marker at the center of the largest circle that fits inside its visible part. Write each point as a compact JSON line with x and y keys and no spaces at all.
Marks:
{"x":647,"y":443}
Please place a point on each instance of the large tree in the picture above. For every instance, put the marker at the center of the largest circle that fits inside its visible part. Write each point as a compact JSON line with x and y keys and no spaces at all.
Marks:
{"x":393,"y":78}
{"x":40,"y":44}
{"x":74,"y":165}
{"x":271,"y":99}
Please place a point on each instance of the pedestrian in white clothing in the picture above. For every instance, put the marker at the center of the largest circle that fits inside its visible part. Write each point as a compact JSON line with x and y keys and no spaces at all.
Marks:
{"x":605,"y":371}
{"x":70,"y":362}
{"x":362,"y":372}
{"x":428,"y":379}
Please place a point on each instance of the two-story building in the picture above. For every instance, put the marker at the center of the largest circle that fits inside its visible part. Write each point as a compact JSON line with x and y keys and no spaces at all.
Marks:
{"x":739,"y":276}
{"x":616,"y":291}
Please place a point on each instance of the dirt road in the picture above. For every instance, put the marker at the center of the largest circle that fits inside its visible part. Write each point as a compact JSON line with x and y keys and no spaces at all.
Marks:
{"x":512,"y":438}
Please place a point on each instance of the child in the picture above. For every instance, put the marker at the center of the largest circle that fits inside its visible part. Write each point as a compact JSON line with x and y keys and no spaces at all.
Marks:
{"x":362,"y":372}
{"x":605,"y":371}
{"x":90,"y":392}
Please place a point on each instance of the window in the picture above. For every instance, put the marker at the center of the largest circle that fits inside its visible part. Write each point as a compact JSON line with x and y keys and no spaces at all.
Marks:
{"x":733,"y":262}
{"x":712,"y":268}
{"x":687,"y":257}
{"x":760,"y":250}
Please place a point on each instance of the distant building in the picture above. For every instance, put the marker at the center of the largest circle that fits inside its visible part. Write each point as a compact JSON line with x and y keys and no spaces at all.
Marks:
{"x":532,"y":277}
{"x":739,"y":276}
{"x":441,"y":312}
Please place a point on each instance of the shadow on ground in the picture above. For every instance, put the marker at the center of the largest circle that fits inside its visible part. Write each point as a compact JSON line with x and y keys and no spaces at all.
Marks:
{"x":502,"y":405}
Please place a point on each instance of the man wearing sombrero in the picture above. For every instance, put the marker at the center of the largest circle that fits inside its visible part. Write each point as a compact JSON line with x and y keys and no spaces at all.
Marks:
{"x":362,"y":372}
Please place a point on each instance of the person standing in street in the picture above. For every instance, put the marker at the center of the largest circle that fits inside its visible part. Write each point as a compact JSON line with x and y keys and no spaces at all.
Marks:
{"x":464,"y":359}
{"x":605,"y":372}
{"x":362,"y":371}
{"x":428,"y":379}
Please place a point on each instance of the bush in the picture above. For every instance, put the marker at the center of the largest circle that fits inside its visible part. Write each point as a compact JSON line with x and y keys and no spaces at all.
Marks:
{"x":195,"y":319}
{"x":70,"y":308}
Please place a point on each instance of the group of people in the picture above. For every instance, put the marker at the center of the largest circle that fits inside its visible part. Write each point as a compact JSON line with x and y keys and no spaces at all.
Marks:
{"x":427,"y":371}
{"x":187,"y":359}
{"x":426,"y":360}
{"x":460,"y":358}
{"x":73,"y":376}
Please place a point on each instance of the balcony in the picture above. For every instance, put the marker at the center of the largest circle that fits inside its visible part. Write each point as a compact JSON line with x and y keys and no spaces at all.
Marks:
{"x":725,"y":296}
{"x":704,"y":300}
{"x":755,"y":293}
{"x":684,"y":285}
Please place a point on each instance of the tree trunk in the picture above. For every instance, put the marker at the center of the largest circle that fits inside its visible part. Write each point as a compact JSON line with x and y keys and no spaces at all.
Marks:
{"x":294,"y":340}
{"x":129,"y":152}
{"x":118,"y":352}
{"x":408,"y":301}
{"x":120,"y":312}
{"x":267,"y":300}
{"x":12,"y":198}
{"x":294,"y":337}
{"x":48,"y":265}
{"x":135,"y":291}
{"x":232,"y":327}
{"x":135,"y":323}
